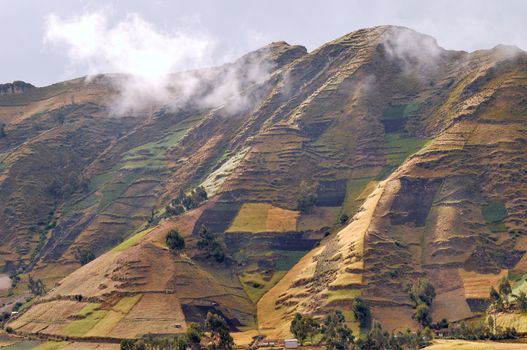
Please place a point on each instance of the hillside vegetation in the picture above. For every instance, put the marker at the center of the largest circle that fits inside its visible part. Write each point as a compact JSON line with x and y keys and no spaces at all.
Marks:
{"x":352,"y":170}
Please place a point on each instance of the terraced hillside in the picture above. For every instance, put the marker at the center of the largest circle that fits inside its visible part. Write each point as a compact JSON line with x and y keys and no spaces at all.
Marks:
{"x":351,"y":170}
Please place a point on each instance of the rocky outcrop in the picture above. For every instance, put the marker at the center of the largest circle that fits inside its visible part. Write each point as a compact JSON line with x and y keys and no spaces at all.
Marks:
{"x":16,"y":87}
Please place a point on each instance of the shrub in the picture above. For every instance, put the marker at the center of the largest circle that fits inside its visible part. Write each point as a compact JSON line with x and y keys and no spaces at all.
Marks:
{"x":306,"y":202}
{"x":36,"y":286}
{"x":343,"y":219}
{"x":84,"y":256}
{"x":174,"y":241}
{"x":193,"y":335}
{"x":423,"y":315}
{"x":174,"y":210}
{"x":207,"y":242}
{"x":303,"y":327}
{"x":495,"y":299}
{"x":17,"y":306}
{"x":219,"y":332}
{"x":362,"y":312}
{"x":186,"y":202}
{"x":422,"y":292}
{"x":521,"y":301}
{"x":336,"y":333}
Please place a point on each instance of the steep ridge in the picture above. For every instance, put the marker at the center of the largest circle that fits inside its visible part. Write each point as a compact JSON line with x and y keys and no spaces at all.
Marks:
{"x":433,"y":217}
{"x":422,"y":147}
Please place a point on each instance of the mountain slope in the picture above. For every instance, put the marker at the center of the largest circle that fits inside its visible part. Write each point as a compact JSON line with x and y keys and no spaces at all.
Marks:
{"x":422,"y":147}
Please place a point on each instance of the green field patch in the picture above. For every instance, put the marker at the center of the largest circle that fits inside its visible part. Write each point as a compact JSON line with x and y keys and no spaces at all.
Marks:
{"x":286,"y":259}
{"x":127,"y":303}
{"x":352,"y":322}
{"x":255,"y":286}
{"x":494,"y":213}
{"x":132,"y":241}
{"x":343,"y":294}
{"x":23,"y":345}
{"x":78,"y":328}
{"x":107,"y":187}
{"x":113,"y":190}
{"x":398,"y":148}
{"x":393,"y":112}
{"x":51,"y":345}
{"x":153,"y":154}
{"x":357,"y":184}
{"x":105,"y":325}
{"x":89,"y":308}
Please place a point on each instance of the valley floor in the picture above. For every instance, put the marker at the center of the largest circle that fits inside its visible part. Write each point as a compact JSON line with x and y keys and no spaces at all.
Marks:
{"x":7,"y":343}
{"x":472,"y":345}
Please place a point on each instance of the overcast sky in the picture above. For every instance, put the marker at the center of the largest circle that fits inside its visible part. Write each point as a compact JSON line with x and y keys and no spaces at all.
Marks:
{"x":53,"y":40}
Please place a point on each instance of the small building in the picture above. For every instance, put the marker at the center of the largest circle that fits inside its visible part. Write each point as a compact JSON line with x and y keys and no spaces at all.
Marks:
{"x":291,"y":343}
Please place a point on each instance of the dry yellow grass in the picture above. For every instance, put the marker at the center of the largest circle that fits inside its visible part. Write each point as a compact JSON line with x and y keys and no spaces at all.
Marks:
{"x":295,"y":285}
{"x":451,"y":305}
{"x":252,"y":217}
{"x":516,"y":320}
{"x":472,"y":345}
{"x":394,"y":318}
{"x":281,"y":220}
{"x":352,"y":236}
{"x":244,"y":338}
{"x":38,"y":317}
{"x":153,"y":313}
{"x":91,"y":346}
{"x":104,"y":326}
{"x":263,"y":217}
{"x":477,"y":285}
{"x":318,"y":217}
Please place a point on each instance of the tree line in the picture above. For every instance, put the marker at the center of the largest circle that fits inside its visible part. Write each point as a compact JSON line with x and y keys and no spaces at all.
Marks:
{"x":213,"y":335}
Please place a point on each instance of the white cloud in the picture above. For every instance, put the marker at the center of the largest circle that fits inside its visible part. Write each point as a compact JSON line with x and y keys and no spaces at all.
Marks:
{"x":131,"y":46}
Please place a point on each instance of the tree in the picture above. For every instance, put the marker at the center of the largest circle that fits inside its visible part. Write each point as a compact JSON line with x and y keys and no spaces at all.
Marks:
{"x":422,"y":292}
{"x":174,"y":210}
{"x":219,"y":332}
{"x":336,"y":333}
{"x":84,"y":256}
{"x":127,"y":344}
{"x":521,"y":301}
{"x":174,"y":241}
{"x":422,"y":315}
{"x":495,"y":299}
{"x":377,"y":338}
{"x":505,"y":289}
{"x":362,"y":312}
{"x":36,"y":286}
{"x":303,"y":327}
{"x":193,"y":335}
{"x":343,"y":219}
{"x":199,"y":194}
{"x":207,"y":242}
{"x":306,"y":202}
{"x":2,"y":131}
